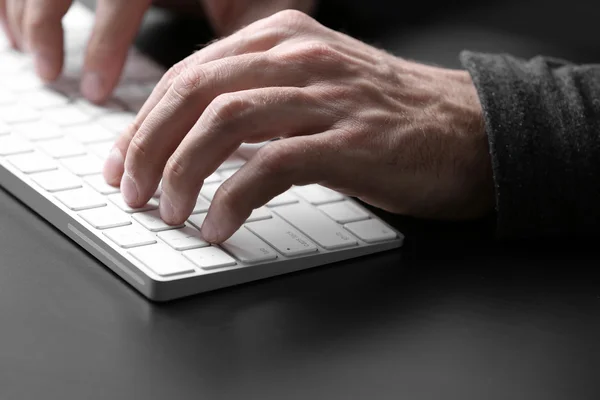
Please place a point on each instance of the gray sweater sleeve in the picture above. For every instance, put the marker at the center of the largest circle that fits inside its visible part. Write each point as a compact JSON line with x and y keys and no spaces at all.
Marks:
{"x":542,"y":118}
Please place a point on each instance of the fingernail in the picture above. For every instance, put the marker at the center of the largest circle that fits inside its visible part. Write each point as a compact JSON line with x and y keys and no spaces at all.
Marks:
{"x":113,"y":166}
{"x":167,"y":212}
{"x":209,"y":230}
{"x":92,"y":86}
{"x":45,"y":66}
{"x":129,"y":189}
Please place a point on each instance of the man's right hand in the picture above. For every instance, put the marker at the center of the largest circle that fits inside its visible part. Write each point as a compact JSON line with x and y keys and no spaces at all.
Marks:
{"x":35,"y":26}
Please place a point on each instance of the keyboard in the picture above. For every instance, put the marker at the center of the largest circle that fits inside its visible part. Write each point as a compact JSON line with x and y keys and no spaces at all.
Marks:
{"x":52,"y":147}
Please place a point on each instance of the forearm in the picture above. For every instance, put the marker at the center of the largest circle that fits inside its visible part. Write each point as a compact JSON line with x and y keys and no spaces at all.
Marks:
{"x":543,"y":123}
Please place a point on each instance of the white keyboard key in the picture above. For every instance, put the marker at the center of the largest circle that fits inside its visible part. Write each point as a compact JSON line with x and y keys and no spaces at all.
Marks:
{"x":209,"y":190}
{"x":234,"y":161}
{"x":98,"y":183}
{"x":197,"y":220}
{"x":285,"y":239}
{"x":38,"y":130}
{"x":117,"y":199}
{"x":246,"y":247}
{"x":89,"y":133}
{"x":129,"y":236}
{"x":162,"y":260}
{"x":33,"y":162}
{"x":11,"y":144}
{"x":227,"y":173}
{"x":43,"y":98}
{"x":186,"y":238}
{"x":4,"y":128}
{"x":213,"y":178}
{"x":105,"y":218}
{"x":55,"y":181}
{"x":132,"y":95}
{"x":151,"y":220}
{"x":317,"y":194}
{"x":12,"y":62}
{"x":67,"y":116}
{"x":6,"y":96}
{"x":95,"y":110}
{"x":81,"y":199}
{"x":22,"y":82}
{"x":282,"y":199}
{"x":259,"y":214}
{"x":201,"y":206}
{"x":371,"y":230}
{"x":61,"y":148}
{"x":117,"y":122}
{"x":83,"y":165}
{"x":209,"y":258}
{"x":315,"y":225}
{"x":14,"y":114}
{"x":101,"y":149}
{"x":344,"y":212}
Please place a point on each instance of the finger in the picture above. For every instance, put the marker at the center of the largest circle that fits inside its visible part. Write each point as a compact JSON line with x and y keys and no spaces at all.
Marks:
{"x":4,"y":23}
{"x":250,"y":116}
{"x":272,"y":171}
{"x":115,"y":27}
{"x":180,"y":108}
{"x":43,"y":34}
{"x":14,"y":11}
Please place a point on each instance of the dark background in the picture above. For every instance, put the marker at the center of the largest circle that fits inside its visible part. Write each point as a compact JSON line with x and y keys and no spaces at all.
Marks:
{"x":456,"y":314}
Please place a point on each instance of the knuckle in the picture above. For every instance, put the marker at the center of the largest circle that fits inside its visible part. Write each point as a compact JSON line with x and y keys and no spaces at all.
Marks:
{"x":174,"y":71}
{"x":275,"y":158}
{"x":174,"y":169}
{"x":293,"y":19}
{"x":137,"y":149}
{"x":188,"y":81}
{"x":309,"y":53}
{"x":226,"y":107}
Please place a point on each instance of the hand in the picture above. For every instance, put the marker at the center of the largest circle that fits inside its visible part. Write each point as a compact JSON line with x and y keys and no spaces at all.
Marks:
{"x":401,"y":136}
{"x":226,"y":16}
{"x":35,"y":25}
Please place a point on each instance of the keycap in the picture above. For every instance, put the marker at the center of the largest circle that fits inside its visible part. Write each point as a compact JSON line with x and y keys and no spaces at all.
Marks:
{"x":43,"y":98}
{"x":66,"y":116}
{"x":212,"y":178}
{"x":227,"y":173}
{"x":162,"y":260}
{"x":258,"y":214}
{"x":117,"y":199}
{"x":13,"y":62}
{"x":21,"y":82}
{"x":6,"y":96}
{"x":116,"y":122}
{"x":201,"y":206}
{"x":101,"y":149}
{"x":38,"y":130}
{"x":61,"y":148}
{"x":132,"y":95}
{"x":209,"y":258}
{"x":33,"y":162}
{"x":129,"y":236}
{"x":98,"y":183}
{"x":186,"y":238}
{"x":12,"y":144}
{"x":94,"y":110}
{"x":89,"y":133}
{"x":4,"y":128}
{"x":248,"y":248}
{"x":283,"y":237}
{"x":234,"y":161}
{"x":55,"y":181}
{"x":151,"y":220}
{"x":283,"y":198}
{"x":105,"y":218}
{"x":371,"y":230}
{"x":315,"y":225}
{"x":81,"y":199}
{"x":83,"y":165}
{"x":317,"y":194}
{"x":197,"y":220}
{"x":208,"y":190}
{"x":14,"y":114}
{"x":344,"y":212}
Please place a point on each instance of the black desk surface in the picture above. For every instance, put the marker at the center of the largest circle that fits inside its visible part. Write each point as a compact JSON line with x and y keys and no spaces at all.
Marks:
{"x":454,"y":315}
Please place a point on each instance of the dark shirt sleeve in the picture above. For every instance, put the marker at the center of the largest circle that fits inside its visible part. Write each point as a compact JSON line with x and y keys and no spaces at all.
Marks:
{"x":542,"y":118}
